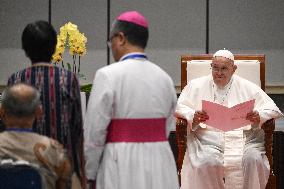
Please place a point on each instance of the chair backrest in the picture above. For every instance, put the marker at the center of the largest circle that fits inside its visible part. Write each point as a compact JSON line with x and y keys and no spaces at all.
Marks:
{"x":250,"y":67}
{"x":20,"y":176}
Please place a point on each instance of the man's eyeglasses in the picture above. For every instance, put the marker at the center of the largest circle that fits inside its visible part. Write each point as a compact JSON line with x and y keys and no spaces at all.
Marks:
{"x":223,"y":69}
{"x":108,"y":42}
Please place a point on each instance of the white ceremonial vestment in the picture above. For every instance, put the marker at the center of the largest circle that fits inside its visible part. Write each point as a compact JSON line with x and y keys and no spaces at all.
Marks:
{"x":215,"y":159}
{"x":132,"y":88}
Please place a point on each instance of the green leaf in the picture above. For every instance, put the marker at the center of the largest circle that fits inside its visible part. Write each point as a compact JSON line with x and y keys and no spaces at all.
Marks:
{"x":86,"y":88}
{"x":69,"y":66}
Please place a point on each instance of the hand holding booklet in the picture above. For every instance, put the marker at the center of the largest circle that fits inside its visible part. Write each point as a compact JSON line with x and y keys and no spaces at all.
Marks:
{"x":226,"y":119}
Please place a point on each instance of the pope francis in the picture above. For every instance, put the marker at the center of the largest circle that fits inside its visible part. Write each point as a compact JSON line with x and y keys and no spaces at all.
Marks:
{"x":215,"y":159}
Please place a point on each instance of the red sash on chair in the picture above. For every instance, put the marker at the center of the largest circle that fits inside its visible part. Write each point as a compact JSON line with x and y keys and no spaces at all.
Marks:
{"x":137,"y":130}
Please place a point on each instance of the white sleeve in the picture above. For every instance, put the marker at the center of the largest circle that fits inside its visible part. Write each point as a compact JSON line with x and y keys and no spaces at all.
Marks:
{"x":171,"y":121}
{"x":98,"y":117}
{"x":266,"y":108}
{"x":184,"y":105}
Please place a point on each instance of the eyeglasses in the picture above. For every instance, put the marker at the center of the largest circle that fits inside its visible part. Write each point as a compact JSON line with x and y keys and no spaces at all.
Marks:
{"x":216,"y":69}
{"x":109,"y":41}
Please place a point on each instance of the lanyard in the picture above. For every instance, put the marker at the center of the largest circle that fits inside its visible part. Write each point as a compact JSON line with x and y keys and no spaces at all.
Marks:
{"x":20,"y":129}
{"x":135,"y":56}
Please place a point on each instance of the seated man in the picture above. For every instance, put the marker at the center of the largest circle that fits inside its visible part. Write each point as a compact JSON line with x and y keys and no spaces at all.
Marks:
{"x":20,"y":106}
{"x":232,"y":159}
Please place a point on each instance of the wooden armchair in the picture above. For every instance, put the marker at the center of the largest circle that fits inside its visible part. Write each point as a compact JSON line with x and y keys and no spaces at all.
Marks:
{"x":181,"y":124}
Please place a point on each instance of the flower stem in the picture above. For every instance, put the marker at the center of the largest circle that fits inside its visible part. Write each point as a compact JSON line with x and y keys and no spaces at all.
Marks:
{"x":74,"y":64}
{"x":79,"y":64}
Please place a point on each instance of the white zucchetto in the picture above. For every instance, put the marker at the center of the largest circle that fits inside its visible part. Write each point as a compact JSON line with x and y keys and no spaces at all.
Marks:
{"x":224,"y":53}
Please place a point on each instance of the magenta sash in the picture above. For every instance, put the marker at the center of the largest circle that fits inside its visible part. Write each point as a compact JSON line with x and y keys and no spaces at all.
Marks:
{"x":137,"y":130}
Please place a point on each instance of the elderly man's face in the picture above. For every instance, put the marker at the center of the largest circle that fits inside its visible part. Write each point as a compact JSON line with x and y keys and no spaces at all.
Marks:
{"x":222,"y":70}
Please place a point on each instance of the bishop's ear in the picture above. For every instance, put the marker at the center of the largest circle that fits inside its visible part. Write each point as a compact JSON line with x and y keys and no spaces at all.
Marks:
{"x":121,"y":38}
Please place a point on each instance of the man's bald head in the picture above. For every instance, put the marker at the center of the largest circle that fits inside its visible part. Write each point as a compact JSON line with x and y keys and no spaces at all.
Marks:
{"x":20,"y":100}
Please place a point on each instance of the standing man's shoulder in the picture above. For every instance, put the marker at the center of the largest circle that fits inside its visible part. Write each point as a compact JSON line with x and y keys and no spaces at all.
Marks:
{"x":160,"y":71}
{"x":17,"y":76}
{"x":67,"y":75}
{"x":111,"y":72}
{"x":64,"y":71}
{"x":109,"y":68}
{"x":19,"y":72}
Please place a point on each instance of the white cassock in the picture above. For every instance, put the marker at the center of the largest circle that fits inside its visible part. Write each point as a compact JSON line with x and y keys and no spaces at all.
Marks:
{"x":130,"y":89}
{"x":235,"y":157}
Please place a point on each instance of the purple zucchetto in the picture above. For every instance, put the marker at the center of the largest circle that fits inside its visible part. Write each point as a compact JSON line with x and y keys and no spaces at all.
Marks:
{"x":133,"y":17}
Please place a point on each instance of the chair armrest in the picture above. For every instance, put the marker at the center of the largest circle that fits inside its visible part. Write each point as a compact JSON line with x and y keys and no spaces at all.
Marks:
{"x":268,"y":128}
{"x":181,"y":134}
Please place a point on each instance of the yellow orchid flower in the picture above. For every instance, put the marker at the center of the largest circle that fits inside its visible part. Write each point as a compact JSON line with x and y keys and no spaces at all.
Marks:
{"x":70,"y":37}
